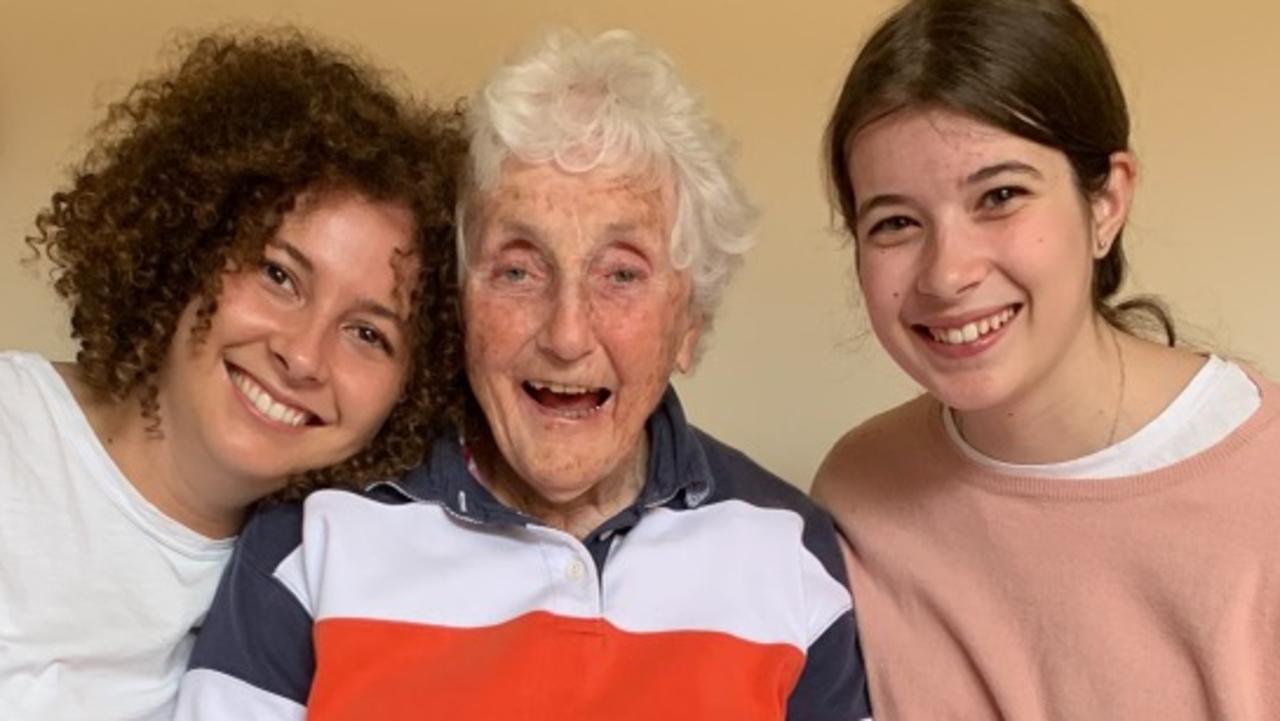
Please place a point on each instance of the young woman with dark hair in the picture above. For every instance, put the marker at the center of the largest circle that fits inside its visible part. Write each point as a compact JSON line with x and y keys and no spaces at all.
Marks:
{"x":1078,"y":519}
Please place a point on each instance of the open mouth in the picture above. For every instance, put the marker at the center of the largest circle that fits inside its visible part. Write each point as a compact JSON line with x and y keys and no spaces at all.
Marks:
{"x":268,"y":405}
{"x":567,"y":401}
{"x":972,"y":331}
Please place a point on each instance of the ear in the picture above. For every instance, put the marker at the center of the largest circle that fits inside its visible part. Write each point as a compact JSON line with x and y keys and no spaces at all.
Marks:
{"x":1110,"y":207}
{"x":687,"y":351}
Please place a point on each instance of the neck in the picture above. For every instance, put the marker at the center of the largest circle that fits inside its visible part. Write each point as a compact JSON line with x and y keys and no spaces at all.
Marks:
{"x":173,"y":476}
{"x":578,"y":516}
{"x":1078,"y":408}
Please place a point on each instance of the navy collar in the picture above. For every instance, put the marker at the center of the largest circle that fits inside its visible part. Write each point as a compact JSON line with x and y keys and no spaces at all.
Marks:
{"x":678,"y":472}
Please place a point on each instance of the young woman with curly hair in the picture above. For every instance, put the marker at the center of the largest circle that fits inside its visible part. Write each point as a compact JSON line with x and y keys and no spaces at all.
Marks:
{"x":258,"y":254}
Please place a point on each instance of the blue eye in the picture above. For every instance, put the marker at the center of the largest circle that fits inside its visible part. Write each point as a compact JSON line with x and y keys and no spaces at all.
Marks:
{"x":514,"y":275}
{"x":624,"y":276}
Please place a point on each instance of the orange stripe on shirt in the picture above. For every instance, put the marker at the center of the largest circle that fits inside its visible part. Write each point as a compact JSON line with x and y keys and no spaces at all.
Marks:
{"x":544,"y":667}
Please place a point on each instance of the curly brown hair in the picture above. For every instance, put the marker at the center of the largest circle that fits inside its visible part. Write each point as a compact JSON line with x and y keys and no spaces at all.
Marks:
{"x":192,"y":172}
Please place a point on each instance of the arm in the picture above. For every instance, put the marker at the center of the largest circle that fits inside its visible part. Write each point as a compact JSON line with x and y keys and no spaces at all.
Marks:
{"x":253,"y":657}
{"x":833,"y":684}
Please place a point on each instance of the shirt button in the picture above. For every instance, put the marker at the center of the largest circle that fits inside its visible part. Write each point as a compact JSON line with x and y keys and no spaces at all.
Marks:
{"x":576,"y":570}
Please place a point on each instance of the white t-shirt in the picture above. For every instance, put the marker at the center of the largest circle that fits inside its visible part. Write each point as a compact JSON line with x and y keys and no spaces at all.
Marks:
{"x":1219,"y":398}
{"x":99,"y":591}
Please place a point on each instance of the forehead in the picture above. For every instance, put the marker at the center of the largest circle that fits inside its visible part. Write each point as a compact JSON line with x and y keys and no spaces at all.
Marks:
{"x":351,"y":242}
{"x":917,"y":146}
{"x":350,"y":221}
{"x":543,"y":195}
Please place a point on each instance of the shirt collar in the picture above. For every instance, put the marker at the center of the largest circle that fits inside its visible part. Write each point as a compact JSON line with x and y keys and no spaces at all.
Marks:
{"x":678,"y":471}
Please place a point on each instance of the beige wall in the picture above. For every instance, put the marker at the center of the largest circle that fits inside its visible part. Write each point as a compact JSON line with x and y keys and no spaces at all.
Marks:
{"x":790,"y":365}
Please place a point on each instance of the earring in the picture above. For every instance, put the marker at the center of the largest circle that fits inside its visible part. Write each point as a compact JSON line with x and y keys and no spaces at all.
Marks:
{"x":1101,"y":248}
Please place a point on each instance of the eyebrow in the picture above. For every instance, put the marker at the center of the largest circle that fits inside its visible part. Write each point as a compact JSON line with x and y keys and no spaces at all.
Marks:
{"x":292,"y":251}
{"x":879,"y":200}
{"x":520,"y":228}
{"x":373,"y":307}
{"x":1009,"y":166}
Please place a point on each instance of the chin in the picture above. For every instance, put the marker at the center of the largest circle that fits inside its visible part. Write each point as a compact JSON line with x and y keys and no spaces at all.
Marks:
{"x":971,"y":399}
{"x":559,"y":488}
{"x":975,"y":392}
{"x":559,"y":483}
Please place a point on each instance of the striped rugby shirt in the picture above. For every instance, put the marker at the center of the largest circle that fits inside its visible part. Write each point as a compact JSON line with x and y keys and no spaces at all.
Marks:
{"x":719,"y":595}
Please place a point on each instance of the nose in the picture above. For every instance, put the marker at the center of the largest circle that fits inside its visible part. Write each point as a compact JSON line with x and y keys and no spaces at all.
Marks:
{"x":567,"y":334}
{"x":299,"y":351}
{"x":954,"y":263}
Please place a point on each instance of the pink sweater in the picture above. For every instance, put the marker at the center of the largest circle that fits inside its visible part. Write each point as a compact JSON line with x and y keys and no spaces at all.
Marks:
{"x":983,"y":596}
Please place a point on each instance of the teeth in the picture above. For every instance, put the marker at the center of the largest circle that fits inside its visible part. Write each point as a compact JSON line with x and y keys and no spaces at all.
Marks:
{"x":561,"y":388}
{"x":265,"y":404}
{"x":973,"y":330}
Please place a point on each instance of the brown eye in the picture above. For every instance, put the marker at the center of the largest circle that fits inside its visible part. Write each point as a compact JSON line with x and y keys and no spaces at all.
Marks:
{"x":371,"y":336}
{"x":998,"y":197}
{"x":277,"y":275}
{"x":891,"y":224}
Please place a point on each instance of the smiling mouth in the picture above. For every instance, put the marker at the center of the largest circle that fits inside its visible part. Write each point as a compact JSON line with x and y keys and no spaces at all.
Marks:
{"x":972,"y":331}
{"x":267,"y":405}
{"x":567,"y":401}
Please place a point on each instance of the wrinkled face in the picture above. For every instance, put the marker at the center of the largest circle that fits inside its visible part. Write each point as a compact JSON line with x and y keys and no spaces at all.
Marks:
{"x":307,"y":352}
{"x":975,"y":254}
{"x":575,"y":320}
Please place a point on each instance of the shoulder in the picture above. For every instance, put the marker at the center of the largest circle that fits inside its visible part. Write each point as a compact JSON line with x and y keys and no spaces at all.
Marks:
{"x":273,"y":531}
{"x":39,"y":415}
{"x":879,"y":441}
{"x":1262,"y":422}
{"x":1268,"y":389}
{"x":740,"y":479}
{"x":24,"y":378}
{"x":23,"y":370}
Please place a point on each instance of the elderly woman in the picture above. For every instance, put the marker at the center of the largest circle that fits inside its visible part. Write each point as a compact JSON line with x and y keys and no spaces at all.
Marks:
{"x":582,"y":553}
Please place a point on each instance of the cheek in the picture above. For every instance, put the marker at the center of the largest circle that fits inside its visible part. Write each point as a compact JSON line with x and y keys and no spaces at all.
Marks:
{"x":239,"y":289}
{"x":479,"y":349}
{"x":382,"y":399}
{"x":496,"y":333}
{"x":243,"y":306}
{"x":1059,"y":265}
{"x":644,"y":342}
{"x":485,"y":321}
{"x":883,"y":288}
{"x":1056,"y":237}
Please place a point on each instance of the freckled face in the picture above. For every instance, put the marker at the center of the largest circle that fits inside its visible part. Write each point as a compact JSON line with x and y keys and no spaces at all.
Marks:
{"x":575,"y":320}
{"x":975,"y":255}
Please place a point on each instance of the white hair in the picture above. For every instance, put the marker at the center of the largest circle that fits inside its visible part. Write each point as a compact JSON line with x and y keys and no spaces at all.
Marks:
{"x":612,"y":103}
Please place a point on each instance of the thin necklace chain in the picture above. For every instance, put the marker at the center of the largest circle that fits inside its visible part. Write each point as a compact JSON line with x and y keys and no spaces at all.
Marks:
{"x":1115,"y":417}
